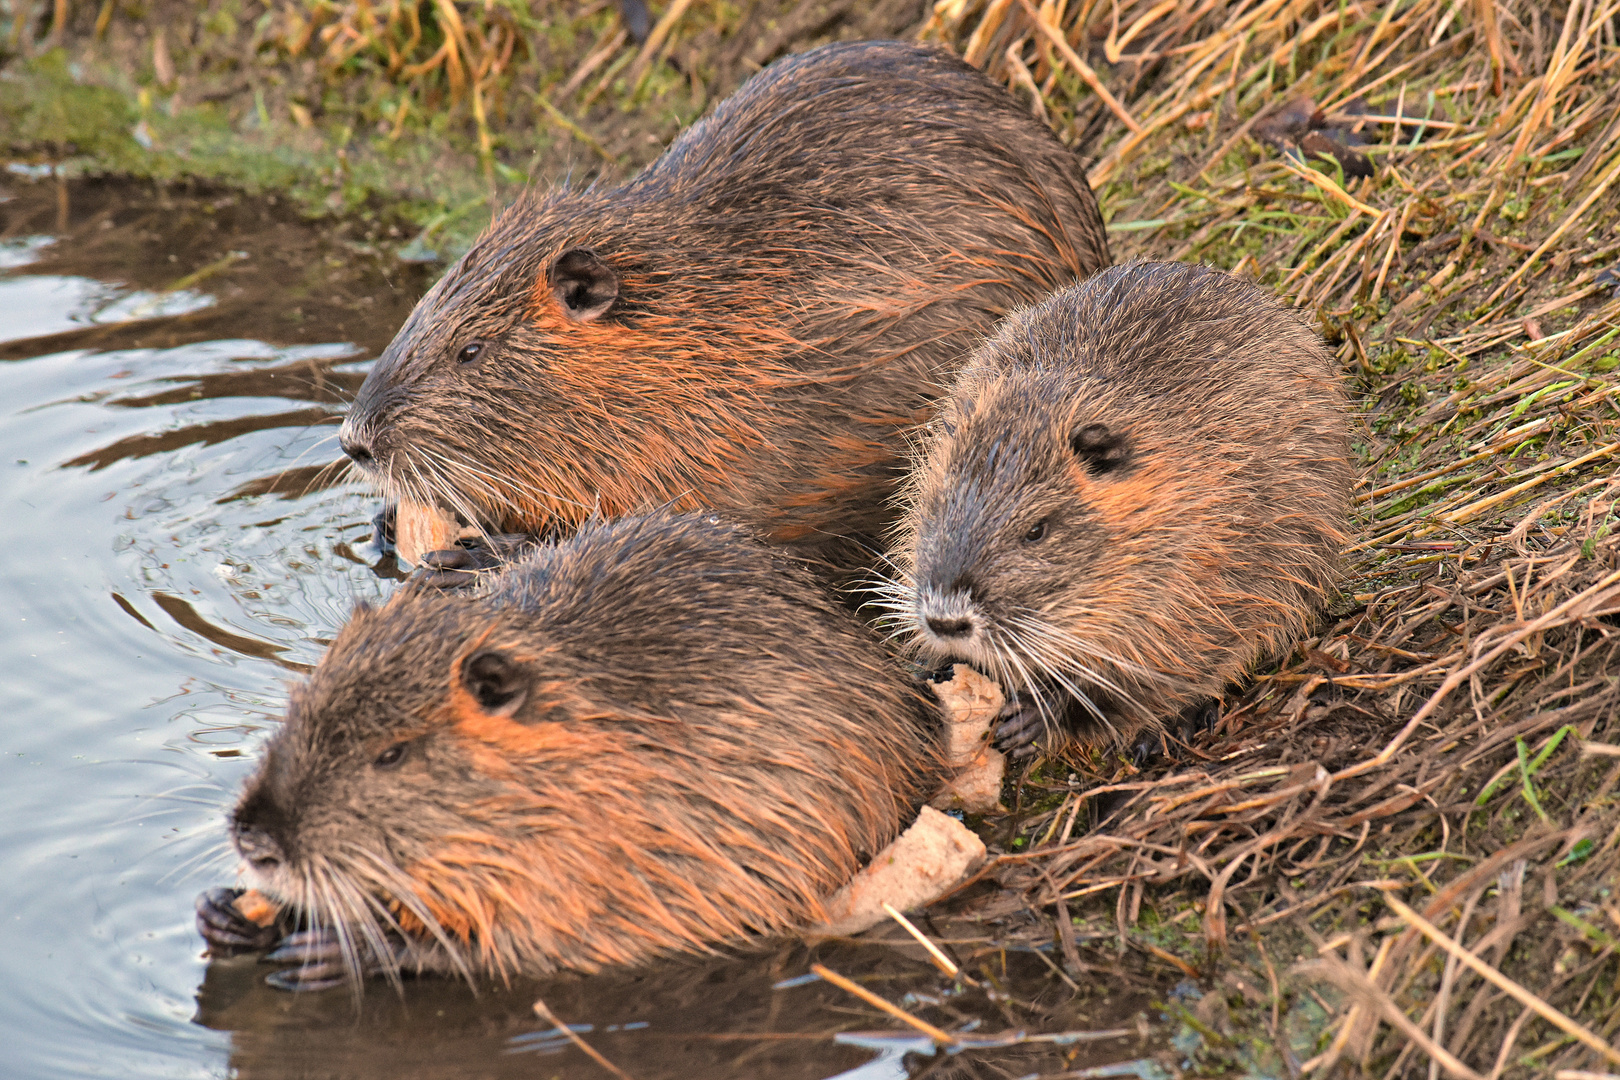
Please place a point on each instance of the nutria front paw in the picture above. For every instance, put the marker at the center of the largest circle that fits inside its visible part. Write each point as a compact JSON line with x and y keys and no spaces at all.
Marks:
{"x":1149,"y":745}
{"x":1194,"y":720}
{"x":452,"y":568}
{"x":1019,"y":726}
{"x":383,"y":526}
{"x":1198,"y":718}
{"x":459,"y":567}
{"x":227,"y":931}
{"x":319,"y":956}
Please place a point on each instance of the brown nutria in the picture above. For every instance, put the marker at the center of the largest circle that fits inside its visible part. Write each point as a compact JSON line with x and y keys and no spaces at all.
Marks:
{"x":654,"y":736}
{"x":1137,"y":489}
{"x":755,"y":323}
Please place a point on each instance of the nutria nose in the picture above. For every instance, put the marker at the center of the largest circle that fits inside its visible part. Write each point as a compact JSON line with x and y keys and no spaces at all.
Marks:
{"x":950,"y":628}
{"x":357,"y":450}
{"x":259,"y":848}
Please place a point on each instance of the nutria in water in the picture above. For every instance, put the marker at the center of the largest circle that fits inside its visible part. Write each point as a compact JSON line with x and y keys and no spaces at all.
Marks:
{"x":655,"y":736}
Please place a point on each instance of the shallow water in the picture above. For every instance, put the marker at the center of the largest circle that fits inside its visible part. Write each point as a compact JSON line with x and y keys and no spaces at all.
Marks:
{"x":171,"y":370}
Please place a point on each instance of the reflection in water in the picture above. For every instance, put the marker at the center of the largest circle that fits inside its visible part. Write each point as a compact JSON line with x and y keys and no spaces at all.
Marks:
{"x":37,"y":306}
{"x":22,"y":250}
{"x":139,"y":446}
{"x":309,"y":378}
{"x":717,"y":1018}
{"x":151,"y":626}
{"x":186,"y":615}
{"x":179,"y":547}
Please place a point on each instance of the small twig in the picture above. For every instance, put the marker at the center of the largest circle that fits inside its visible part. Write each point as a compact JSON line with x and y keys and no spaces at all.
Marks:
{"x":941,"y":961}
{"x":944,"y":1038}
{"x":1457,"y":677}
{"x":655,"y":41}
{"x":1359,"y":984}
{"x":1081,"y":68}
{"x":1578,"y":214}
{"x":1332,"y":190}
{"x":574,"y":129}
{"x":551,"y":1018}
{"x":1021,"y":75}
{"x":1510,"y":1040}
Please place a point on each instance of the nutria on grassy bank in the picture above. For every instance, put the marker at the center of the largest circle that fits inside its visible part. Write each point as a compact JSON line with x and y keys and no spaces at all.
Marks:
{"x":1137,"y":489}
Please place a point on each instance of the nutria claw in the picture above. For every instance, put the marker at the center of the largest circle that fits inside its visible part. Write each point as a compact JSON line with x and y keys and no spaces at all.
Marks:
{"x":1194,"y":720}
{"x":1018,"y":726}
{"x":318,"y":953}
{"x":1198,"y":718}
{"x":1152,"y":744}
{"x":319,"y":956}
{"x":224,"y":927}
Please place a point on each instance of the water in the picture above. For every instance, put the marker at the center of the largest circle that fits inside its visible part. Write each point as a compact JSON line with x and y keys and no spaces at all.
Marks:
{"x":171,"y":371}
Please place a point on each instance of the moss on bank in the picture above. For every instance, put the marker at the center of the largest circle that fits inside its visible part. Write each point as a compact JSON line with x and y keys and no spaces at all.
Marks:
{"x":422,"y":117}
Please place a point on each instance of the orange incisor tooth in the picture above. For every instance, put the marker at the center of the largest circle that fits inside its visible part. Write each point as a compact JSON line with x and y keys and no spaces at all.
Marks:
{"x":420,"y":528}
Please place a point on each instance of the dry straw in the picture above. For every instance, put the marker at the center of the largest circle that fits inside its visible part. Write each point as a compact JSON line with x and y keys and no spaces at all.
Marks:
{"x":1430,"y":735}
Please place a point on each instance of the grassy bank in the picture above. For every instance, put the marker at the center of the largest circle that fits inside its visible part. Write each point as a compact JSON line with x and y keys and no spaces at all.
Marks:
{"x":1398,"y":854}
{"x":424,"y":117}
{"x":1430,"y":783}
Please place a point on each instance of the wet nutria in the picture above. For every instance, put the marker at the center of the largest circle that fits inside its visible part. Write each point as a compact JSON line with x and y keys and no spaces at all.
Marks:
{"x":1136,"y":490}
{"x":656,"y":735}
{"x":755,"y":323}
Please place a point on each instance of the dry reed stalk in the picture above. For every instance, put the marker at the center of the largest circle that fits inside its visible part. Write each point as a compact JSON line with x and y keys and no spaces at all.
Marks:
{"x":943,"y":1038}
{"x":655,"y":41}
{"x":544,"y":1012}
{"x":1502,"y":982}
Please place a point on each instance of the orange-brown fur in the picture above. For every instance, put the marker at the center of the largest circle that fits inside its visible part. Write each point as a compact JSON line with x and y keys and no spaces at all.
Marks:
{"x":1137,"y":489}
{"x":792,"y":282}
{"x":683,"y":742}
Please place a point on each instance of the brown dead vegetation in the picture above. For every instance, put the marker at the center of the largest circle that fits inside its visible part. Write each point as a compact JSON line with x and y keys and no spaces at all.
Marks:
{"x":1447,"y":738}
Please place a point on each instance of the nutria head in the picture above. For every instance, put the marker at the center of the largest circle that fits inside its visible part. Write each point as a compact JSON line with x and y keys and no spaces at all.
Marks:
{"x":756,"y":322}
{"x":1136,"y":489}
{"x":655,"y":736}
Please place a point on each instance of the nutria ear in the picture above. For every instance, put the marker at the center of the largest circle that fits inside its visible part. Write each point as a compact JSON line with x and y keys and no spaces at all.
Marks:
{"x":496,"y":681}
{"x":583,"y":284}
{"x":1099,"y":448}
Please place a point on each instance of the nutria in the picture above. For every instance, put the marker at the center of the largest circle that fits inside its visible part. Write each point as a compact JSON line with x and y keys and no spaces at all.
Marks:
{"x":1137,"y":489}
{"x":657,"y":735}
{"x":756,"y":323}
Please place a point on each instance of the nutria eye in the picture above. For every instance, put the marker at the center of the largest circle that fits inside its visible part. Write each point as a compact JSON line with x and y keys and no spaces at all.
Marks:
{"x":470,"y":352}
{"x":391,"y":757}
{"x":1037,"y":532}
